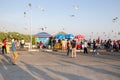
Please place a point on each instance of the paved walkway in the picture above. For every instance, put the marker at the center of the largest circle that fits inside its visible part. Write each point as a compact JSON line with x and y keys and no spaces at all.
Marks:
{"x":36,"y":65}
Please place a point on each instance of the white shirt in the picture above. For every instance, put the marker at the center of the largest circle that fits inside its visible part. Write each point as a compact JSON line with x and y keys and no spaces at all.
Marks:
{"x":22,"y":41}
{"x":85,"y":44}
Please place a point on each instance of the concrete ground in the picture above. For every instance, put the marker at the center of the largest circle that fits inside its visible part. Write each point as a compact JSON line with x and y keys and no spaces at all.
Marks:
{"x":36,"y":65}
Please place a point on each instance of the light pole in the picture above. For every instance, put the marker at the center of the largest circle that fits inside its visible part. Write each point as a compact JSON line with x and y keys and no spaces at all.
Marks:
{"x":30,"y":5}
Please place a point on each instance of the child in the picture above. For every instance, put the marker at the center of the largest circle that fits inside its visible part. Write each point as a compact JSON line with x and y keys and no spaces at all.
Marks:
{"x":8,"y":49}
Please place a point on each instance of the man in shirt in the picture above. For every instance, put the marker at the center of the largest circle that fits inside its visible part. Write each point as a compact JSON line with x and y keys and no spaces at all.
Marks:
{"x":73,"y":48}
{"x":15,"y":54}
{"x":85,"y":47}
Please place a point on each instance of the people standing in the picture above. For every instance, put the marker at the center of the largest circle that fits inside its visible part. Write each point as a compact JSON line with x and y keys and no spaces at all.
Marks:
{"x":68,"y":47}
{"x":85,"y":47}
{"x":15,"y":54}
{"x":54,"y":42}
{"x":63,"y":44}
{"x":22,"y":42}
{"x":73,"y":43}
{"x":40,"y":44}
{"x":4,"y":43}
{"x":94,"y":45}
{"x":97,"y":46}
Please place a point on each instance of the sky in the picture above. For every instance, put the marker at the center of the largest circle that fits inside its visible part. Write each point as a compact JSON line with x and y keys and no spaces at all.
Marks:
{"x":87,"y":17}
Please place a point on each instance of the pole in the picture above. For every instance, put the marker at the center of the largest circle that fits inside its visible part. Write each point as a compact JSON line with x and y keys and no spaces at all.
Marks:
{"x":30,"y":25}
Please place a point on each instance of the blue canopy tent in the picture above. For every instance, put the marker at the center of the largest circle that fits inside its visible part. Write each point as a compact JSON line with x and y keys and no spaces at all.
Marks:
{"x":43,"y":36}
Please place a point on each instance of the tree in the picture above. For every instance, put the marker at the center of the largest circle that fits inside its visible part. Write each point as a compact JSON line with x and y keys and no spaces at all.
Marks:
{"x":10,"y":35}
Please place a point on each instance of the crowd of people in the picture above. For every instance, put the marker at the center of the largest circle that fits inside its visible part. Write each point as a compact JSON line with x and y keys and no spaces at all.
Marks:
{"x":106,"y":44}
{"x":83,"y":44}
{"x":69,"y":45}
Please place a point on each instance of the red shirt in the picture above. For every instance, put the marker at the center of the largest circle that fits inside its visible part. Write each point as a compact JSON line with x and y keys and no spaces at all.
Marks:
{"x":40,"y":43}
{"x":4,"y":43}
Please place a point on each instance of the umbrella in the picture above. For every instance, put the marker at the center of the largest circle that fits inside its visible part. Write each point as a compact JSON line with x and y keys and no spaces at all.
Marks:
{"x":79,"y":36}
{"x":69,"y":36}
{"x":60,"y":36}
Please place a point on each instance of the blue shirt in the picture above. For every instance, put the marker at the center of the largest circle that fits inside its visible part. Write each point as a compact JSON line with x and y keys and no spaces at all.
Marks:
{"x":13,"y":46}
